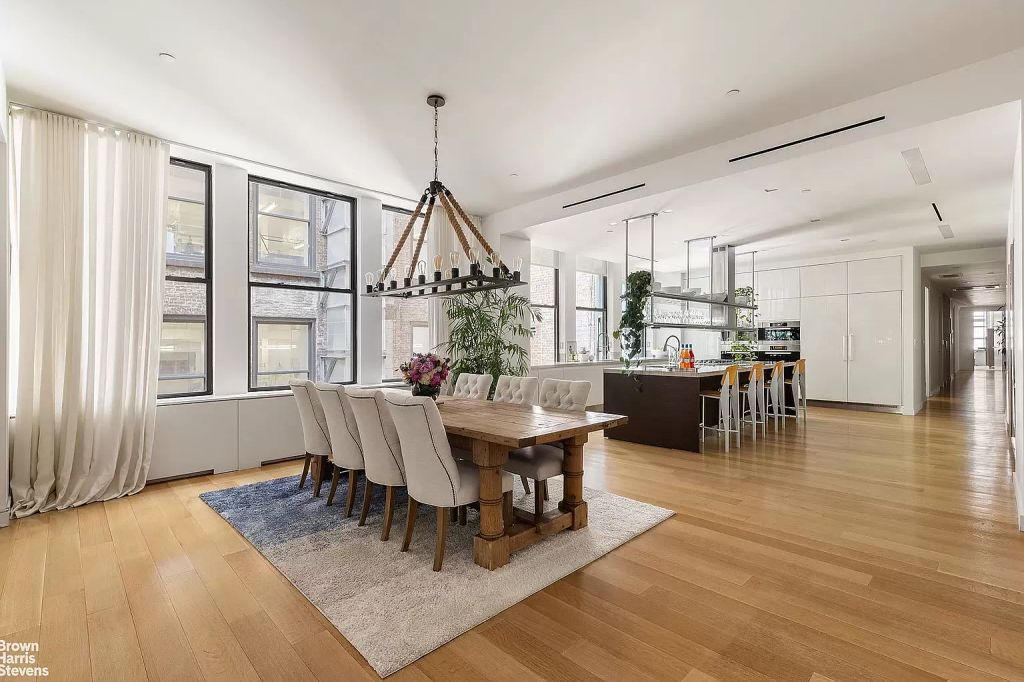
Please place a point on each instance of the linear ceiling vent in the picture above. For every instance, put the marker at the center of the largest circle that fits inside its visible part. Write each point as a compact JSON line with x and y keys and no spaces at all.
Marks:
{"x":606,"y":194}
{"x":915,"y":164}
{"x":946,"y":231}
{"x":950,"y":276}
{"x":777,"y":147}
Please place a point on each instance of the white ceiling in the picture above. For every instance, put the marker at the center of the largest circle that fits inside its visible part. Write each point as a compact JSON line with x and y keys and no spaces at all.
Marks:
{"x":862,"y":193}
{"x":968,"y":283}
{"x":560,"y":93}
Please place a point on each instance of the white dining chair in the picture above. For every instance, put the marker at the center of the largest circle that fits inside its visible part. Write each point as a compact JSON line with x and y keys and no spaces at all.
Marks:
{"x":434,"y":476}
{"x":382,"y":451}
{"x":315,"y":432}
{"x":541,"y":462}
{"x":517,"y":390}
{"x":798,"y":387}
{"x":563,"y":394}
{"x":346,"y":450}
{"x":753,"y":401}
{"x":472,"y":386}
{"x":776,"y":392}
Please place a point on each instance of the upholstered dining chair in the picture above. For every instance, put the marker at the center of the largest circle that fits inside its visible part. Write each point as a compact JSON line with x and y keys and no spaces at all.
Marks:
{"x":434,"y":476}
{"x":315,"y":432}
{"x":346,"y":450}
{"x":562,"y":394}
{"x":382,"y":451}
{"x":541,"y":462}
{"x":472,"y":386}
{"x":518,"y":391}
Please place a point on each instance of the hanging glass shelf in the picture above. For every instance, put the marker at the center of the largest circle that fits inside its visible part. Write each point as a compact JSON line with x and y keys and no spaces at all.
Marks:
{"x":703,"y":327}
{"x":689,"y":298}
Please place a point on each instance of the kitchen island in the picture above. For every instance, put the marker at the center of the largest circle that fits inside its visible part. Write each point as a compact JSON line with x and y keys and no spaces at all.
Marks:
{"x":663,"y":405}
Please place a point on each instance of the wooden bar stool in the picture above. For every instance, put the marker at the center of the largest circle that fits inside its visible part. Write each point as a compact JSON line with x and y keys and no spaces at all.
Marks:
{"x":775,"y":393}
{"x":727,"y":397}
{"x":754,"y":401}
{"x":798,"y":385}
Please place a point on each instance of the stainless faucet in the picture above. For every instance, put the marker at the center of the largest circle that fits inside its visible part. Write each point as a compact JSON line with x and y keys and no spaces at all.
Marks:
{"x":679,"y":342}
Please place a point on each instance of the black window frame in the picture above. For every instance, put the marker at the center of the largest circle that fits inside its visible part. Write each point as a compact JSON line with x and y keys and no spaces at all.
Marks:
{"x":553,"y":308}
{"x":309,"y":322}
{"x":264,"y":270}
{"x":603,"y":309}
{"x":206,"y":279}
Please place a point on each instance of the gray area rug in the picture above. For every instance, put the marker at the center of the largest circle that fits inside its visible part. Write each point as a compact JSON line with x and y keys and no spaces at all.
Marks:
{"x":390,"y":605}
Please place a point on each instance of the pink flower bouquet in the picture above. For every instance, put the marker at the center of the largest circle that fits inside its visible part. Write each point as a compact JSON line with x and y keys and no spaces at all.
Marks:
{"x":426,"y":372}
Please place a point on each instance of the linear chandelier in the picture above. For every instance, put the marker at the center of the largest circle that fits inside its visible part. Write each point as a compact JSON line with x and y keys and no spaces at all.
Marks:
{"x":415,"y":282}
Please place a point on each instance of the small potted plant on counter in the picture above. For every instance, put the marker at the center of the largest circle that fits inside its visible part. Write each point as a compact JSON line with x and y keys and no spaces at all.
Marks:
{"x":425,"y":372}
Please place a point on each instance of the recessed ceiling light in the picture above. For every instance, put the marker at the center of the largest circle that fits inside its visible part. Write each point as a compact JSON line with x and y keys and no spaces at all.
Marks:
{"x":513,"y":175}
{"x":771,"y":189}
{"x":805,"y":190}
{"x":733,"y":92}
{"x":667,"y":210}
{"x":612,"y":224}
{"x":609,"y":231}
{"x":166,"y":57}
{"x":815,"y":220}
{"x":846,"y":239}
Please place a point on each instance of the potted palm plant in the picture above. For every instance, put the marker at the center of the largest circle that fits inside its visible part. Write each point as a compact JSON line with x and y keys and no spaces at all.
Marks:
{"x":485,"y":328}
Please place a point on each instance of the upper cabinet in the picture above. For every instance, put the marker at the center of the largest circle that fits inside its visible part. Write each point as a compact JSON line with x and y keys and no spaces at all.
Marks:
{"x":875,"y":274}
{"x":770,"y":285}
{"x":823,"y":280}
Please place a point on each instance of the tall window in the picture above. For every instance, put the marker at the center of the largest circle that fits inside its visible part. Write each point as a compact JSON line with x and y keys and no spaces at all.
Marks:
{"x":405,"y":322}
{"x":301,"y":302}
{"x":186,"y":335}
{"x":544,"y":300}
{"x":980,"y":329}
{"x":591,"y":313}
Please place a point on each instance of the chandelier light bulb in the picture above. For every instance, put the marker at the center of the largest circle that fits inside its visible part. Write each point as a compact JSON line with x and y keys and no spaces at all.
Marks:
{"x":453,"y":258}
{"x":518,"y":264}
{"x":421,"y":267}
{"x":438,"y":262}
{"x":369,"y":279}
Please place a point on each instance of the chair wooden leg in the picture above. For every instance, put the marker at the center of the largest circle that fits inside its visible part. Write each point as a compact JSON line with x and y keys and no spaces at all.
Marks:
{"x":538,"y":501}
{"x":305,"y":470}
{"x":506,"y":509}
{"x":410,"y":522}
{"x":442,"y":535}
{"x":318,"y":475}
{"x":350,"y":499}
{"x":334,"y":485}
{"x":367,"y":494}
{"x":524,"y":479}
{"x":389,"y":510}
{"x":462,"y":515}
{"x":544,"y":487}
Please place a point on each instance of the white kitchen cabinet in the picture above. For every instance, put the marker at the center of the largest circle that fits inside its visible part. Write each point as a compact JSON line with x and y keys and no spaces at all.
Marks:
{"x":875,"y":274}
{"x":773,"y":284}
{"x":823,"y":327}
{"x":874,"y":348}
{"x":828,"y":279}
{"x":777,"y":310}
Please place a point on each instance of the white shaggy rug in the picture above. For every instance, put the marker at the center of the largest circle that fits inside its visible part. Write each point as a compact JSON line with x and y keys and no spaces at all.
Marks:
{"x":391,"y":605}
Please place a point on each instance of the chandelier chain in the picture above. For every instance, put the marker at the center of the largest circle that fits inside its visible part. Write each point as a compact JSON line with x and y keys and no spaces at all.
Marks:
{"x":435,"y":144}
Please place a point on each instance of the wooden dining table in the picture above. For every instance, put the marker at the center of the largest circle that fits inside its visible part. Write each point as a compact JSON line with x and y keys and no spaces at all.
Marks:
{"x":490,"y":431}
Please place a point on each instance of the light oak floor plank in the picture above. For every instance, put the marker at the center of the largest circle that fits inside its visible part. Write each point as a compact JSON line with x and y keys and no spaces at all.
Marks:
{"x":856,"y":546}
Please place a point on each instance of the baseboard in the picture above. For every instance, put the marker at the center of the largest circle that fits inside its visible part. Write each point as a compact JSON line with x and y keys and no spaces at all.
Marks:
{"x":860,"y":407}
{"x":5,"y":518}
{"x":178,"y":477}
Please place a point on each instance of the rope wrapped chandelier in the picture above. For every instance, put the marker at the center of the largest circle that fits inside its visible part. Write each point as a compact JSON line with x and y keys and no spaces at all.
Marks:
{"x":415,"y":282}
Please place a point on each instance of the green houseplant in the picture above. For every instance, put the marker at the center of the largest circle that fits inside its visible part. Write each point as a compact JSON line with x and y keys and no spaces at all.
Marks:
{"x":742,"y":347}
{"x":483,"y":328}
{"x":633,"y":325}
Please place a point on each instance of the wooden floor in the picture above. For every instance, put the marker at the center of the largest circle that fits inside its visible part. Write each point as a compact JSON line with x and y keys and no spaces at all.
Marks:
{"x":865,"y":546}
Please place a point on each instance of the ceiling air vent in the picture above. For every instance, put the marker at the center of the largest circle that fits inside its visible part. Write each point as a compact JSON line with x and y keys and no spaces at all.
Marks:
{"x":606,"y":194}
{"x":915,"y":164}
{"x":946,"y":231}
{"x":950,"y":276}
{"x":809,"y":139}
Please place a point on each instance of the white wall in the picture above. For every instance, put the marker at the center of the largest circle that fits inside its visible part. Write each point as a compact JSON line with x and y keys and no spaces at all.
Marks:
{"x":936,"y":342}
{"x":1015,"y":323}
{"x":4,"y":284}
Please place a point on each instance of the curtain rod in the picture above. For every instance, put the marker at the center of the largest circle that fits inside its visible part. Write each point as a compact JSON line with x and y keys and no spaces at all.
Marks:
{"x":22,"y":105}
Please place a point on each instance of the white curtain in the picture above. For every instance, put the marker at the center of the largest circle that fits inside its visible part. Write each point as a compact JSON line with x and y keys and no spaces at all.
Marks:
{"x":87,"y":232}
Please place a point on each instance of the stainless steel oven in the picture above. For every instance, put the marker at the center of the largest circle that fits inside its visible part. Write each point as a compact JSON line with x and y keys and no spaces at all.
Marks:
{"x":778,"y":341}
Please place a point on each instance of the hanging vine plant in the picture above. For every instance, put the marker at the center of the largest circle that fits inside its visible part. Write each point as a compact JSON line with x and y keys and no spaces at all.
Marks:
{"x":633,"y":325}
